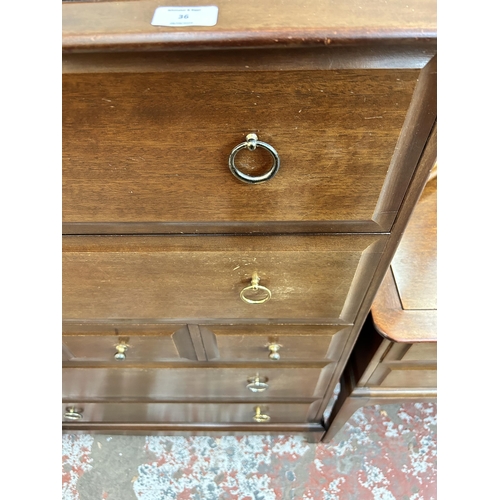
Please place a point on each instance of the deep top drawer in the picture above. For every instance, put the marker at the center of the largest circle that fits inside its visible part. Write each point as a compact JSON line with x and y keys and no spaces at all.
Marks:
{"x":153,"y":148}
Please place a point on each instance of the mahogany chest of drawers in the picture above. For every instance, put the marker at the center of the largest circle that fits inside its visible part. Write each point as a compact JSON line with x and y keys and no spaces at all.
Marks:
{"x":232,"y":198}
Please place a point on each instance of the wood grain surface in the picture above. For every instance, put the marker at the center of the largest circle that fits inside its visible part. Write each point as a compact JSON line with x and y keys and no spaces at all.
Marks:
{"x":154,"y":148}
{"x":415,"y":263}
{"x":298,"y":342}
{"x":404,"y":376}
{"x":127,"y":25}
{"x":149,"y":119}
{"x":234,"y":412}
{"x":164,"y":342}
{"x":405,"y":309}
{"x":161,"y":381}
{"x":387,"y":56}
{"x":425,"y":163}
{"x":180,"y":278}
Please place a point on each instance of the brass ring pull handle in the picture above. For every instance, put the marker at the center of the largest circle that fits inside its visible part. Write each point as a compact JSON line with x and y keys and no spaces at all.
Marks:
{"x":255,"y":287}
{"x":252,"y":143}
{"x":73,"y":413}
{"x":257,"y":384}
{"x":259,"y":416}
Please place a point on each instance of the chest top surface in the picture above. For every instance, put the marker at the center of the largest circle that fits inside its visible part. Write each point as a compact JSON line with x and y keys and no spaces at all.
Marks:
{"x":119,"y":25}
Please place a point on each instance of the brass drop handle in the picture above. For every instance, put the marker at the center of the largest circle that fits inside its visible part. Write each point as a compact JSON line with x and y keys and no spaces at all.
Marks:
{"x":252,"y":143}
{"x":254,"y":288}
{"x":259,"y":416}
{"x":257,"y":384}
{"x":273,"y":351}
{"x":121,"y":349}
{"x":73,"y":413}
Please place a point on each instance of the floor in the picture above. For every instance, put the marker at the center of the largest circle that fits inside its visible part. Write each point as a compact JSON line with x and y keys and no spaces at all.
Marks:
{"x":382,"y":453}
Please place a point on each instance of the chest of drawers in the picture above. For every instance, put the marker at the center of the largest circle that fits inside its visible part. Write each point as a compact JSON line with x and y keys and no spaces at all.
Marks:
{"x":232,"y":198}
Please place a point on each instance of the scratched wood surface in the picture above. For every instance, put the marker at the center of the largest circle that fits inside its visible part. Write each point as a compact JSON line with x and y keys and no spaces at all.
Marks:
{"x":154,"y":147}
{"x":234,"y":412}
{"x":149,"y":383}
{"x":127,"y":25}
{"x":415,"y":263}
{"x":195,"y":277}
{"x":405,"y":308}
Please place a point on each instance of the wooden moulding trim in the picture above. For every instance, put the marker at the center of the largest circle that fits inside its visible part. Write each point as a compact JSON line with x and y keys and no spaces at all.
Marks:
{"x":195,"y":365}
{"x":282,"y":428}
{"x":206,"y":321}
{"x":367,"y":263}
{"x":414,"y":135}
{"x":419,"y":326}
{"x":400,"y":392}
{"x":328,"y":58}
{"x":75,"y":327}
{"x":118,"y":25}
{"x":146,"y":228}
{"x":193,"y":401}
{"x":159,"y":41}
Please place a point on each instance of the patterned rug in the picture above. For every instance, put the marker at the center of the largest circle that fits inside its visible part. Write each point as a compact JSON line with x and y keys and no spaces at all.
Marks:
{"x":382,"y":453}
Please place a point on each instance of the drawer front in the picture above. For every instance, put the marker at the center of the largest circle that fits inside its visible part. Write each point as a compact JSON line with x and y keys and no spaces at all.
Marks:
{"x":158,"y":383}
{"x":316,"y":277}
{"x":421,"y":352}
{"x":404,"y":376}
{"x":204,"y":343}
{"x":412,"y":353}
{"x":188,"y":412}
{"x":147,"y":344}
{"x":407,"y":366}
{"x":152,"y":148}
{"x":280,"y":343}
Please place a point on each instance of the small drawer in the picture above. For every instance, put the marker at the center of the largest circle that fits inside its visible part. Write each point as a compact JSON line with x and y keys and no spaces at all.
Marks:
{"x":196,"y":381}
{"x":154,"y":343}
{"x":233,"y":412}
{"x":190,"y":278}
{"x":408,"y":353}
{"x":406,"y":366}
{"x":278,"y":343}
{"x":131,"y":344}
{"x":421,"y":352}
{"x":153,"y":148}
{"x":404,"y":377}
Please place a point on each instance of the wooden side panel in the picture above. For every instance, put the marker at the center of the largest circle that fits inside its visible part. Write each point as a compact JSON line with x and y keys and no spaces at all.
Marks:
{"x":415,"y":263}
{"x":421,"y":352}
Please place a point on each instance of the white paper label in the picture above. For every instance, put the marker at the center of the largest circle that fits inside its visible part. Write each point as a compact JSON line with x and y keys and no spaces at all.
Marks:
{"x":185,"y":16}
